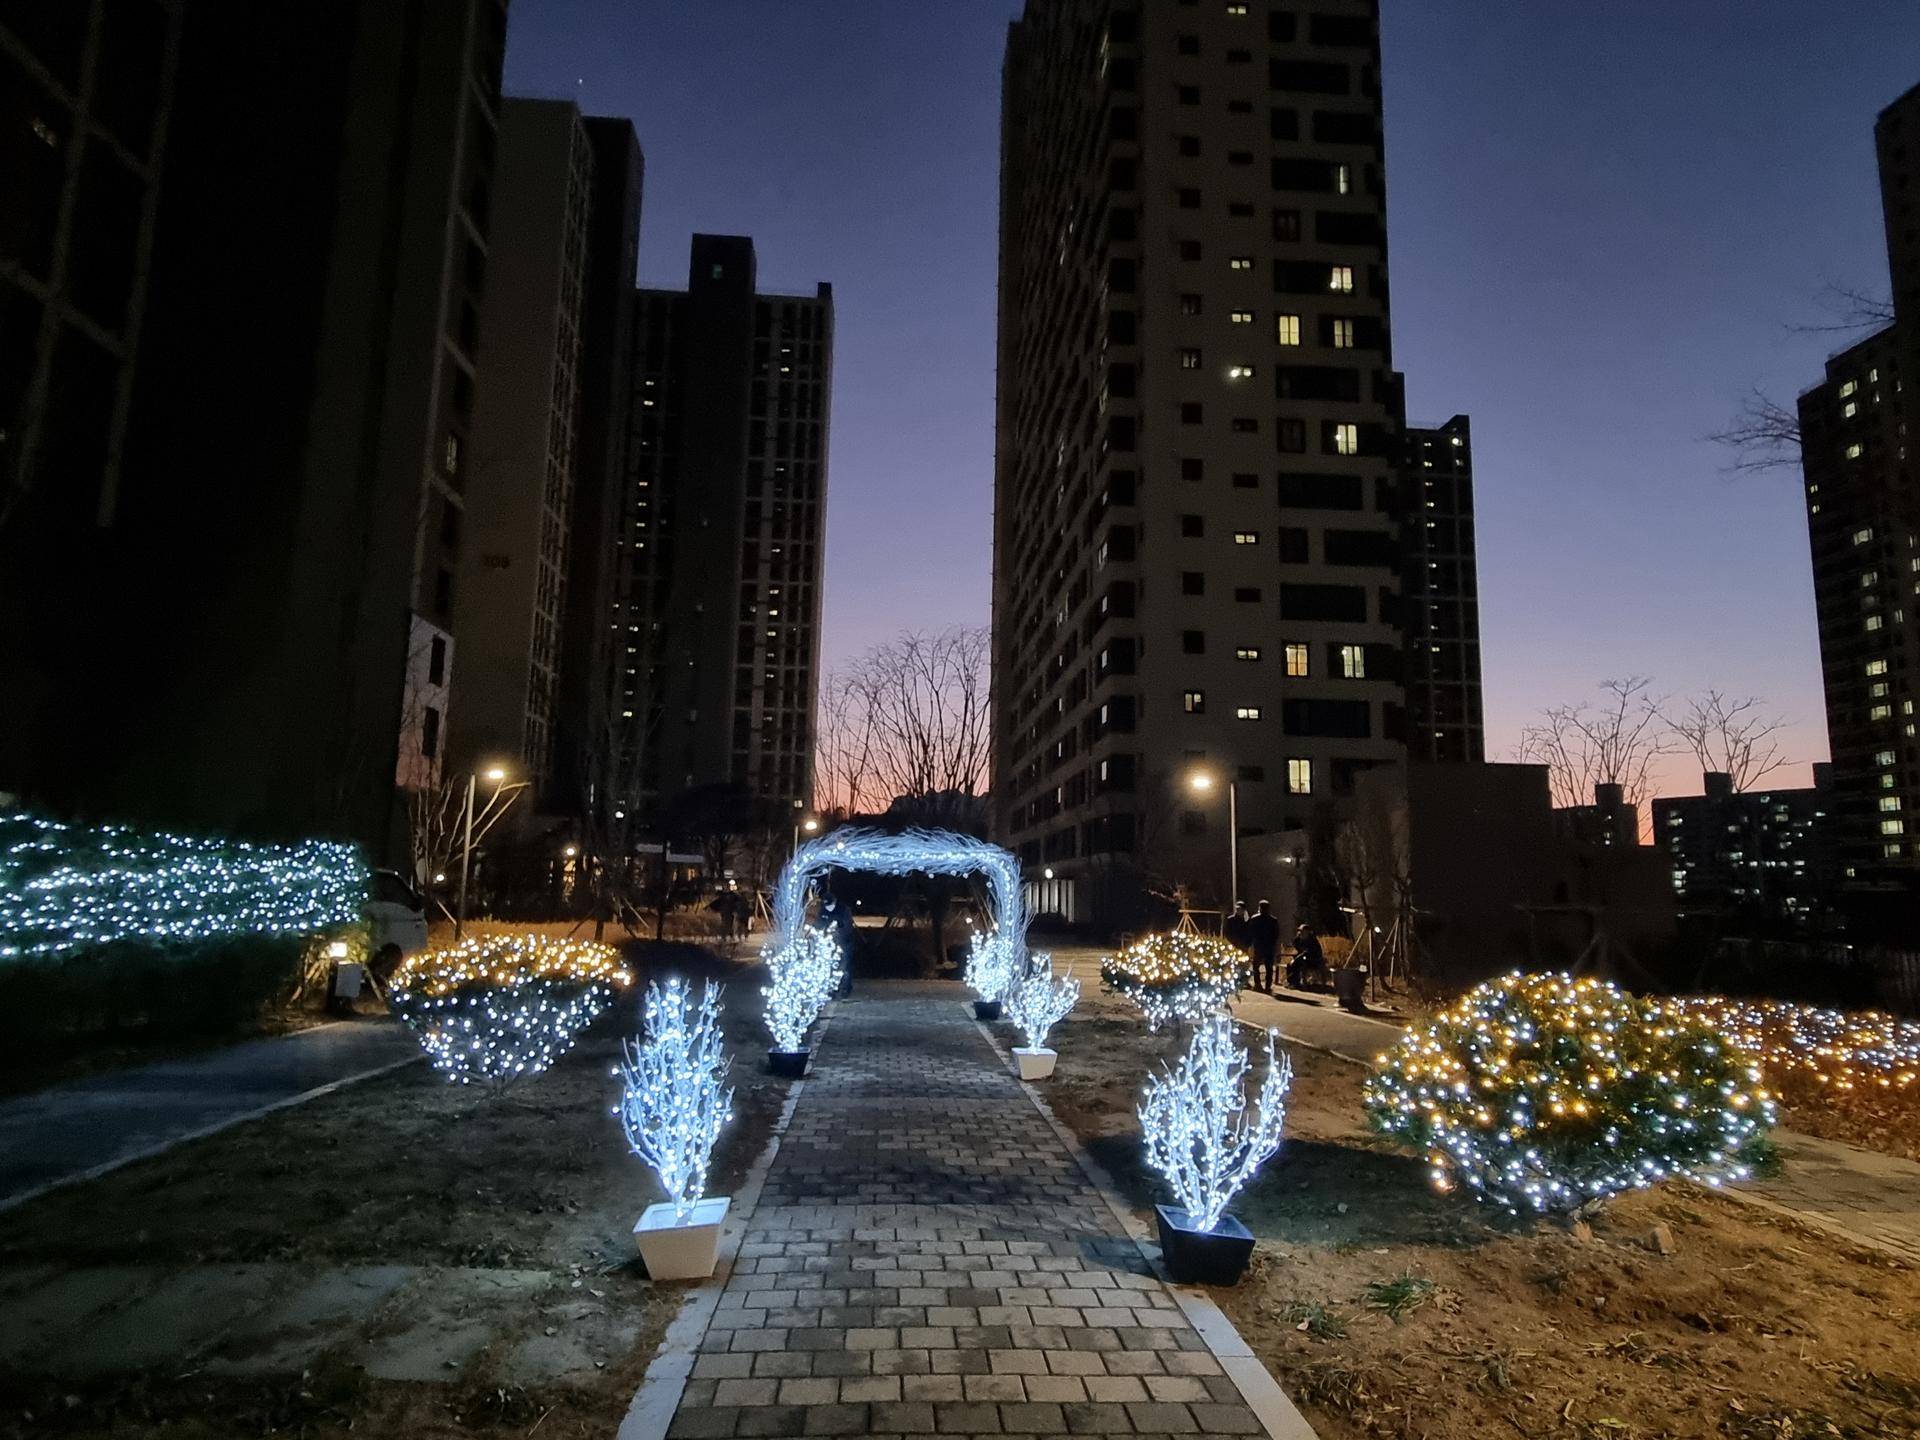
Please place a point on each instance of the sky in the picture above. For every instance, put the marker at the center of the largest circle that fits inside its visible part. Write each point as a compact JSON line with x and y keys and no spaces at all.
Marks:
{"x":1605,"y":221}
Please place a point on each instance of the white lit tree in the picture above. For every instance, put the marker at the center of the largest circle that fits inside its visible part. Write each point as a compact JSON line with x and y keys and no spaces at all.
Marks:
{"x":1040,"y":1001}
{"x":803,"y":977}
{"x":1198,"y":1130}
{"x":673,"y":1102}
{"x":991,"y":971}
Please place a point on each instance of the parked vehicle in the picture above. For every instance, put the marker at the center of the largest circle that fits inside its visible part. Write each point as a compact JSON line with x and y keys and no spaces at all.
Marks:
{"x":396,"y":921}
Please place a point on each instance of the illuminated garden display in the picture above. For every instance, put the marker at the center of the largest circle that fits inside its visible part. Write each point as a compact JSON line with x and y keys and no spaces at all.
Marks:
{"x":1543,"y":1093}
{"x":69,"y":888}
{"x":1204,"y":1139}
{"x":492,"y":1009}
{"x":673,"y":1104}
{"x":1176,"y":976}
{"x":992,"y":971}
{"x":1805,"y":1047}
{"x":1036,"y":1003}
{"x":804,"y":974}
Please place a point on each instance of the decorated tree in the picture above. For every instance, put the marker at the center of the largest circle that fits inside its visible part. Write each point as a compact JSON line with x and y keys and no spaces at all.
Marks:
{"x":673,"y":1102}
{"x":1039,"y":1002}
{"x":1176,"y":976}
{"x":992,"y":969}
{"x":1198,"y":1129}
{"x":804,"y":976}
{"x":1545,"y":1093}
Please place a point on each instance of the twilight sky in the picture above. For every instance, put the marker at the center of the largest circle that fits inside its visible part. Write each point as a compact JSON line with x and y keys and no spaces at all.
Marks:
{"x":1604,"y":220}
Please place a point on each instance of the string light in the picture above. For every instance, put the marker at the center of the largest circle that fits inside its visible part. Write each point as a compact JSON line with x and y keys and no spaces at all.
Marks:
{"x":804,"y":976}
{"x":1176,"y":976}
{"x":1198,"y":1130}
{"x":1547,"y":1093}
{"x":993,"y":968}
{"x":1834,"y":1051}
{"x":65,"y":888}
{"x":1039,"y":1002}
{"x":494,"y":1009}
{"x":672,"y":1102}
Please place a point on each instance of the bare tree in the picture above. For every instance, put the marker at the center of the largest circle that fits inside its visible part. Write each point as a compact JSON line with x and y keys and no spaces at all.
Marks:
{"x":1849,"y":309}
{"x":843,"y":763}
{"x":909,"y":719}
{"x":1614,"y":740}
{"x":1763,"y":435}
{"x":1731,"y":737}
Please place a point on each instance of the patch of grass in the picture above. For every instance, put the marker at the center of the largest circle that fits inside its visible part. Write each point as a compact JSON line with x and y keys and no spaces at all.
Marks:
{"x":1766,"y":1159}
{"x":1315,"y":1319}
{"x":1401,"y":1295}
{"x":1333,"y":1386}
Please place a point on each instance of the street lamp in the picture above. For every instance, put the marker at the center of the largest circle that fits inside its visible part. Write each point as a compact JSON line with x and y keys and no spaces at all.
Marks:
{"x":1203,"y":782}
{"x":810,"y":824}
{"x":498,"y":775}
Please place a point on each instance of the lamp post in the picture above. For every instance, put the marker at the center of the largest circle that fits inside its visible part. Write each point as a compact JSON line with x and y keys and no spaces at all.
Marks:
{"x":810,"y":824}
{"x":1203,"y":782}
{"x":499,"y":777}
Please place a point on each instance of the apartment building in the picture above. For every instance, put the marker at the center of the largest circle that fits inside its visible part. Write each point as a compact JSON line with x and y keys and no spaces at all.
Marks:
{"x":1749,"y":859}
{"x":1440,"y":589}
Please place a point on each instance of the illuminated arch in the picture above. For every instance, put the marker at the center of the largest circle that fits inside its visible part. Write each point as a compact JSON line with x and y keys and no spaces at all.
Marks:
{"x":931,"y":852}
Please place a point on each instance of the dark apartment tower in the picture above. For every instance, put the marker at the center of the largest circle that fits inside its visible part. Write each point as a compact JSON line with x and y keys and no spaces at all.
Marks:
{"x":1441,"y":593}
{"x":521,"y":474}
{"x":722,"y":531}
{"x":584,"y":744}
{"x":1196,"y":543}
{"x":85,"y":95}
{"x":1863,"y":521}
{"x":288,"y":523}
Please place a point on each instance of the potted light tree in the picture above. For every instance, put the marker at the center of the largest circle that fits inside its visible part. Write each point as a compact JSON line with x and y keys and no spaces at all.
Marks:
{"x":672,"y":1106}
{"x":1036,"y":1005}
{"x":990,"y":973}
{"x":1201,"y":1135}
{"x":804,"y":976}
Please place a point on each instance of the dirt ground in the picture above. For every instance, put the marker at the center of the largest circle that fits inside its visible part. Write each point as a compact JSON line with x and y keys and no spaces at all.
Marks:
{"x":1388,"y":1310}
{"x":401,"y":1170}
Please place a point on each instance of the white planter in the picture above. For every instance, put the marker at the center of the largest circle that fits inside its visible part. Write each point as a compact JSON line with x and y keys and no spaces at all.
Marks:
{"x":676,"y":1251}
{"x":1036,"y":1062}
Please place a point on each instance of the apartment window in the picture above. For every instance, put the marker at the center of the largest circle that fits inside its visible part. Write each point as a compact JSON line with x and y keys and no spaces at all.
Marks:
{"x":1342,"y":179}
{"x":1189,"y":359}
{"x":1849,"y":410}
{"x":1189,"y":44}
{"x":1189,"y":304}
{"x":1240,"y":262}
{"x":1193,"y":642}
{"x":1239,"y":372}
{"x":1889,"y":802}
{"x":1241,"y":317}
{"x":1194,"y":702}
{"x":1245,"y":425}
{"x":430,"y":732}
{"x":1292,"y":436}
{"x":1286,"y":329}
{"x":1880,"y":712}
{"x":1192,"y":467}
{"x":1876,"y":667}
{"x":1861,"y":537}
{"x":1246,"y":712}
{"x":1247,"y":594}
{"x":1246,"y":482}
{"x":1192,"y":582}
{"x":1873,"y":623}
{"x":1297,"y":662}
{"x":1893,"y":827}
{"x":1236,"y":9}
{"x":437,"y":662}
{"x":1342,"y":334}
{"x":1353,"y":662}
{"x":1246,"y":537}
{"x":1192,"y":527}
{"x":1247,"y":652}
{"x":1286,"y":225}
{"x":1848,"y":388}
{"x":450,"y":456}
{"x":1854,"y":450}
{"x":1188,"y":94}
{"x":1340,"y":277}
{"x":1190,"y":250}
{"x":1190,"y":146}
{"x":1192,"y":412}
{"x":1346,"y":439}
{"x":1299,"y":777}
{"x":1189,"y":198}
{"x":1883,"y":758}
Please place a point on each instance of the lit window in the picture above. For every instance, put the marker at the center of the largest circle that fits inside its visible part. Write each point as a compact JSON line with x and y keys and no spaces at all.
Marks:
{"x":1194,"y":702}
{"x":1346,"y":439}
{"x":1342,"y":179}
{"x":1241,"y":317}
{"x":1299,"y":777}
{"x":1848,"y":388}
{"x":1247,"y":712}
{"x":1874,"y":622}
{"x":1236,"y":9}
{"x":1880,"y":712}
{"x":1849,"y":410}
{"x":1891,"y":851}
{"x":1240,"y":372}
{"x":1878,"y":689}
{"x":1353,"y":661}
{"x":1286,"y":329}
{"x":1854,"y":450}
{"x":1240,"y":262}
{"x":1246,"y":537}
{"x":1343,"y":334}
{"x":1861,"y":537}
{"x":1889,"y":802}
{"x":1893,"y":827}
{"x":1867,"y":577}
{"x":1189,"y":359}
{"x":1247,"y":652}
{"x":1297,"y":660}
{"x":1883,"y":757}
{"x":1876,"y":667}
{"x":1340,"y":278}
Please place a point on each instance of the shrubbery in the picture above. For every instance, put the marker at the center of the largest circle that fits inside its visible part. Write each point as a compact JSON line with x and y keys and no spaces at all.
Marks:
{"x":1176,"y":976}
{"x":1545,"y":1093}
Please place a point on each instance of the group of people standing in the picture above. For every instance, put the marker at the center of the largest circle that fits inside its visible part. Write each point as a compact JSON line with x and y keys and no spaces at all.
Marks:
{"x":1259,"y":934}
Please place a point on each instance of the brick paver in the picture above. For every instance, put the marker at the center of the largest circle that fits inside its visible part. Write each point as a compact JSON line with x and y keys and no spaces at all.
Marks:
{"x":927,"y":1258}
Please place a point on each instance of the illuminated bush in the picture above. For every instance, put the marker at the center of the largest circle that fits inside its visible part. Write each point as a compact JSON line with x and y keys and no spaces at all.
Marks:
{"x":493,"y":1009}
{"x":805,"y":975}
{"x":1176,"y":976}
{"x":1816,"y":1051}
{"x":1545,"y":1093}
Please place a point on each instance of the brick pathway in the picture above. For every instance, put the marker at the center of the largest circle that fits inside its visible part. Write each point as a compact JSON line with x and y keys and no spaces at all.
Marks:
{"x":927,"y":1258}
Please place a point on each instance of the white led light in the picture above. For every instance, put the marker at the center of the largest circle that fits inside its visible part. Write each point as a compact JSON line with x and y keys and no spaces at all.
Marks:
{"x":672,"y":1100}
{"x":804,"y":976}
{"x":1039,"y":1002}
{"x":1176,"y":976}
{"x":1198,"y":1129}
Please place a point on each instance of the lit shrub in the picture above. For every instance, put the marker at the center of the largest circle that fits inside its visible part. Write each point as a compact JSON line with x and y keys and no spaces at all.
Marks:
{"x":1545,"y":1093}
{"x":1176,"y":976}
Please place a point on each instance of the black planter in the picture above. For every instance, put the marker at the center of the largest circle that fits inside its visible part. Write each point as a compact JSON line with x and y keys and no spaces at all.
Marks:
{"x":787,"y":1064}
{"x":1349,"y":988}
{"x":1203,"y":1257}
{"x":986,"y":1009}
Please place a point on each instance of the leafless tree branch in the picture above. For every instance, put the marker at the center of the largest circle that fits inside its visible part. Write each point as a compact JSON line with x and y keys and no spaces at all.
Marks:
{"x":1763,"y":435}
{"x":1731,"y":737}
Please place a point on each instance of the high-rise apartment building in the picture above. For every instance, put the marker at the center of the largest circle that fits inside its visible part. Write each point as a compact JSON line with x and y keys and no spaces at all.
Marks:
{"x":722,"y":530}
{"x":85,"y":97}
{"x":286,"y":533}
{"x":1749,"y":858}
{"x":1858,"y":430}
{"x":1197,"y":544}
{"x":521,"y":476}
{"x":1440,"y":590}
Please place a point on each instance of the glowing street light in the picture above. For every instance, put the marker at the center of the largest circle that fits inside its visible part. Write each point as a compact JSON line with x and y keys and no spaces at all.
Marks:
{"x":1202,"y":782}
{"x":497,"y":776}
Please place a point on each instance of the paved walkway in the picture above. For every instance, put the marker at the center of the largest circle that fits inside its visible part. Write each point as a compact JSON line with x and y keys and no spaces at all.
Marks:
{"x":928,"y":1257}
{"x":86,"y":1127}
{"x":1860,"y":1194}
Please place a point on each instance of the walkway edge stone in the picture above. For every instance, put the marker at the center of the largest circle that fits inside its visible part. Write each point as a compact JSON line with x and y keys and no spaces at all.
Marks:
{"x":658,"y":1398}
{"x":1271,"y":1405}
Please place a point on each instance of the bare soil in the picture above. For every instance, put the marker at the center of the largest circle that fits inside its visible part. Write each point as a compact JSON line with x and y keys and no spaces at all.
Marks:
{"x":1389,"y":1310}
{"x":405,"y":1169}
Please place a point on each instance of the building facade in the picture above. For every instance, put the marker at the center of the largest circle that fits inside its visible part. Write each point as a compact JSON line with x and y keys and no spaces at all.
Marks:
{"x":722,"y":531}
{"x":522,"y":475}
{"x":1863,"y":522}
{"x":283,"y":547}
{"x":1753,"y":859}
{"x":1197,"y":540}
{"x":1440,"y":587}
